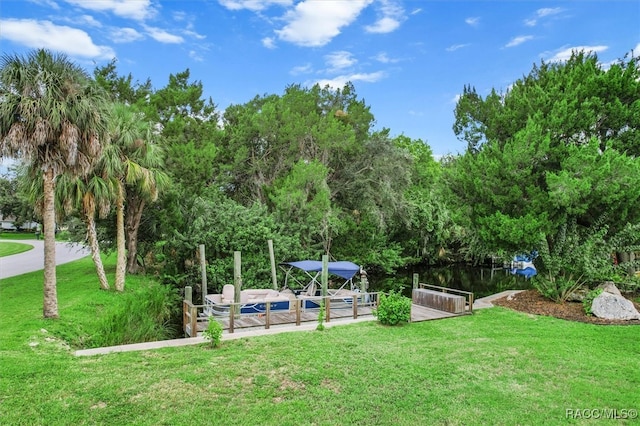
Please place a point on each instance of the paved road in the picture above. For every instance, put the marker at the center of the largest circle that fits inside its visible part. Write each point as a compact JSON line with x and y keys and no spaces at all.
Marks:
{"x":33,"y":260}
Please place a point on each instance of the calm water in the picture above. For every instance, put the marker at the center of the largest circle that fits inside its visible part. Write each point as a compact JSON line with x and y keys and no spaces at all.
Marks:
{"x":481,"y":281}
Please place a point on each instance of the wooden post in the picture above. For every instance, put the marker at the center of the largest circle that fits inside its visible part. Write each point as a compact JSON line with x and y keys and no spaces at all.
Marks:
{"x":416,"y":280}
{"x":237,"y":277}
{"x":203,"y":272}
{"x":298,"y":301}
{"x":194,"y":321}
{"x":324,"y":278}
{"x":185,"y":316}
{"x":267,"y":320}
{"x":272,"y":257}
{"x":231,"y":317}
{"x":188,"y":294}
{"x":355,"y":307}
{"x":327,"y":309}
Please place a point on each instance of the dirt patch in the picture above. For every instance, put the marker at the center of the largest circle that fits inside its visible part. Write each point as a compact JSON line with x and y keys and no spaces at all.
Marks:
{"x":531,"y":302}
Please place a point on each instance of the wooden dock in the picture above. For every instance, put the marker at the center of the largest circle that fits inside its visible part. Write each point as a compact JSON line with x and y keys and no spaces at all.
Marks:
{"x":422,"y":313}
{"x":194,"y":317}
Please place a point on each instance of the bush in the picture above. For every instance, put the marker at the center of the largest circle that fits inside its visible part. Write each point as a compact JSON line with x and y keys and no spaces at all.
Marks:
{"x":588,"y":300}
{"x":141,"y":316}
{"x":393,"y":309}
{"x":557,"y":288}
{"x":213,"y":333}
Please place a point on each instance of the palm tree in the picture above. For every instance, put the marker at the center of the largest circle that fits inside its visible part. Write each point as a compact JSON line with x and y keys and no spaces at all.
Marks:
{"x":134,"y":160}
{"x":53,"y":117}
{"x":88,"y":195}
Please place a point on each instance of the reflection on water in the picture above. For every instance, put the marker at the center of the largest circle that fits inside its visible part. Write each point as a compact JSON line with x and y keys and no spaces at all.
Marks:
{"x":481,"y":281}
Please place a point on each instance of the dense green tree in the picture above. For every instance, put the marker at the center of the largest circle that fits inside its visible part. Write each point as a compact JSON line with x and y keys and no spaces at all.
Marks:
{"x":430,"y":227}
{"x":121,"y":88}
{"x":53,"y":117}
{"x":566,"y":157}
{"x":267,"y":136}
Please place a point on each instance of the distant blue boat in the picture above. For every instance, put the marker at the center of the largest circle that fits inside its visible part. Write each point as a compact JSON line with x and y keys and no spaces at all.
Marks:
{"x":522,"y":264}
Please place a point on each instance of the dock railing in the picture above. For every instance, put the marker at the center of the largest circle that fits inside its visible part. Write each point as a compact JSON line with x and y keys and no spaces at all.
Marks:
{"x":467,"y":295}
{"x":335,"y":306}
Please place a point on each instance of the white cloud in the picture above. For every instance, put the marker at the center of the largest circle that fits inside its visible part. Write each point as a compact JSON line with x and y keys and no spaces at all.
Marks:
{"x":195,"y":56}
{"x":269,"y":42}
{"x":52,"y":4}
{"x":301,"y":69}
{"x":163,"y":36}
{"x":548,"y":11}
{"x":383,"y":26}
{"x":385,"y":59}
{"x":138,"y":9}
{"x":194,"y":34}
{"x":339,"y":60}
{"x":253,"y":5}
{"x":518,"y":40}
{"x":89,"y":20}
{"x":86,"y":20}
{"x":473,"y":21}
{"x":125,"y":35}
{"x":542,"y":13}
{"x":455,"y":47}
{"x":636,"y":50}
{"x":315,"y":23}
{"x":391,"y":16}
{"x":340,"y":81}
{"x":45,"y":34}
{"x":416,"y":11}
{"x":565,"y":53}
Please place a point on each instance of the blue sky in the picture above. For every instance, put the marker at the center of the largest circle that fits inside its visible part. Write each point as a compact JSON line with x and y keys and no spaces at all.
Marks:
{"x":409,"y":60}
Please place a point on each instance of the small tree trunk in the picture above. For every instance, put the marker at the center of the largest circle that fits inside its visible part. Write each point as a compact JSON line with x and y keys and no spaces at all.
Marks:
{"x":121,"y":259}
{"x":95,"y":252}
{"x":50,"y":305}
{"x":135,"y":207}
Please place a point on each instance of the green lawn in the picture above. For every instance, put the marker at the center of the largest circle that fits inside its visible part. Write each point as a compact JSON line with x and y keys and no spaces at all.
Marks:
{"x":496,"y":367}
{"x":9,"y":248}
{"x":17,"y":235}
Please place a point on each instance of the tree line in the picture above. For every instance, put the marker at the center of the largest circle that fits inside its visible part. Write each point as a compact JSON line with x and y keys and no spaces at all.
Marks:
{"x":551,"y":165}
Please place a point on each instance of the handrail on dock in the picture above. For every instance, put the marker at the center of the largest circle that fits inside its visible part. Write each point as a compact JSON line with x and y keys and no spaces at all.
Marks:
{"x":467,"y":294}
{"x":194,"y":314}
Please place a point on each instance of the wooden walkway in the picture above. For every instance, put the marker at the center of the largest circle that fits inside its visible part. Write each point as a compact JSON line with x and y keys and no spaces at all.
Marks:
{"x":422,"y":313}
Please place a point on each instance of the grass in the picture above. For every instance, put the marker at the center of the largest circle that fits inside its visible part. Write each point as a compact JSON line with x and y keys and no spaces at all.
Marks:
{"x":7,"y":249}
{"x":15,"y":235}
{"x":496,"y":367}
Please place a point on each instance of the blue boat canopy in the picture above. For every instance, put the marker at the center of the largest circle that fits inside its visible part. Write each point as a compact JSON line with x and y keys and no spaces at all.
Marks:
{"x":342,"y":269}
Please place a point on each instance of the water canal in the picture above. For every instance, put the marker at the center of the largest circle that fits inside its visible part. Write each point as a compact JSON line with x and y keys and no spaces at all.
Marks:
{"x":482,"y":281}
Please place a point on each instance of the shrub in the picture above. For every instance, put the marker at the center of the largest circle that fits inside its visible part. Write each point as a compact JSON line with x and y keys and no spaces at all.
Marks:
{"x":213,"y":333}
{"x":320,"y":326}
{"x":393,"y":309}
{"x":588,"y":300}
{"x":557,"y":288}
{"x":140,"y":316}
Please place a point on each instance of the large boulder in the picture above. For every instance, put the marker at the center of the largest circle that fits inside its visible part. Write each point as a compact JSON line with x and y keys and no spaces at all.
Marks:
{"x":615,"y":307}
{"x":610,"y":287}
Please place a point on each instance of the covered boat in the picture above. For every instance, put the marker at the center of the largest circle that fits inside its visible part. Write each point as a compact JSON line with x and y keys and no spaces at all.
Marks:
{"x":341,"y":271}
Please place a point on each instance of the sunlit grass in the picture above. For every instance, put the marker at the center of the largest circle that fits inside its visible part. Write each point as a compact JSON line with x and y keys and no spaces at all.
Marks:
{"x":495,"y":367}
{"x":17,"y":236}
{"x":7,"y":249}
